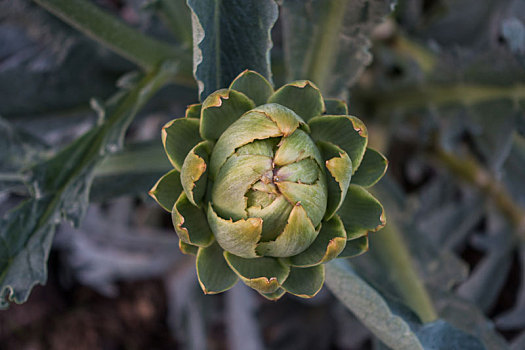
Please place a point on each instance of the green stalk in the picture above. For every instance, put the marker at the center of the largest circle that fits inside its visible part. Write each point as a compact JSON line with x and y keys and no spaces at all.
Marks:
{"x":325,"y":44}
{"x":141,"y":49}
{"x":15,"y":177}
{"x":424,"y":57}
{"x":395,"y":257}
{"x":443,"y":95}
{"x":135,"y":158}
{"x":472,"y":172}
{"x":124,"y":113}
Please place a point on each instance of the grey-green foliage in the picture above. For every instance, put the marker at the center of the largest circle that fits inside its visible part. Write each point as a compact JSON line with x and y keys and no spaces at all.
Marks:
{"x":515,"y":317}
{"x":432,"y":230}
{"x":17,"y":150}
{"x":513,"y":30}
{"x":392,"y":323}
{"x":345,"y":54}
{"x":439,"y":218}
{"x":482,"y":120}
{"x":61,"y":190}
{"x":129,"y":172}
{"x":370,"y":307}
{"x":25,"y":248}
{"x":40,"y":55}
{"x":108,"y":248}
{"x":227,"y":40}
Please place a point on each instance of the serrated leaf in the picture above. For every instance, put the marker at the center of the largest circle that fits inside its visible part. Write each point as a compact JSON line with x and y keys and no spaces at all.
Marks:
{"x":193,"y":176}
{"x":239,"y":237}
{"x":61,"y":186}
{"x":227,"y":40}
{"x":327,"y":41}
{"x":24,"y":250}
{"x":278,"y":294}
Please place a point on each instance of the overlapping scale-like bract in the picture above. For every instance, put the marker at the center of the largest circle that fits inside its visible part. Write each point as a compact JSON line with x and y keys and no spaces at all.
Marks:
{"x":265,"y":166}
{"x":269,"y":185}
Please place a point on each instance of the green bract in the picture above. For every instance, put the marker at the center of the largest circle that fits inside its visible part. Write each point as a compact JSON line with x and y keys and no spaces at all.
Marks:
{"x":268,"y":186}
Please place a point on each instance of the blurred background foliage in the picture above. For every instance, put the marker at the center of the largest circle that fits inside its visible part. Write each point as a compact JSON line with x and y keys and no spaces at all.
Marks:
{"x":441,"y":86}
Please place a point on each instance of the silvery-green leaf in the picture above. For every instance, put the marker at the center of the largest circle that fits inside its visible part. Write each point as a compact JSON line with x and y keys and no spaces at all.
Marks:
{"x":328,"y":40}
{"x":392,"y":323}
{"x":61,"y":185}
{"x":513,"y":30}
{"x":369,"y":307}
{"x":17,"y":151}
{"x":227,"y":40}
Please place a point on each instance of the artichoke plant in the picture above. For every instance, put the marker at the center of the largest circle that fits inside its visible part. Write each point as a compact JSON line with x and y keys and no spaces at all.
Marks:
{"x":269,"y":185}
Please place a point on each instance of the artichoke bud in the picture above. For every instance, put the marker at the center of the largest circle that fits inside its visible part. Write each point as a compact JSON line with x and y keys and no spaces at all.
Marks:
{"x":269,"y":185}
{"x":266,"y":175}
